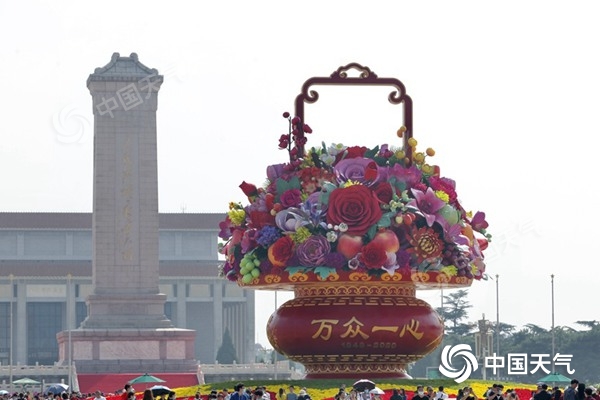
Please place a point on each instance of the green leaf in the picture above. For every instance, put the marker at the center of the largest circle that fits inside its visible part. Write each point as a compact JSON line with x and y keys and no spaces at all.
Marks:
{"x":282,"y":185}
{"x":293,"y":270}
{"x":294,"y":183}
{"x":371,"y":232}
{"x":381,"y":161}
{"x":371,"y":153}
{"x":386,"y":220}
{"x":324,"y":272}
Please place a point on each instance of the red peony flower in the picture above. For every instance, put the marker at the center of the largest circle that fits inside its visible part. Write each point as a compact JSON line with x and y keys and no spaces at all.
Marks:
{"x":281,"y":251}
{"x":373,"y":255}
{"x":356,"y":206}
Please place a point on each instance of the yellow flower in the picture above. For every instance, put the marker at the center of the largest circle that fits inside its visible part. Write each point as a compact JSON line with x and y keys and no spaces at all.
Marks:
{"x":474,"y":269}
{"x":350,"y":183}
{"x":442,"y":196}
{"x":237,"y":217}
{"x":301,"y":235}
{"x":450,"y":270}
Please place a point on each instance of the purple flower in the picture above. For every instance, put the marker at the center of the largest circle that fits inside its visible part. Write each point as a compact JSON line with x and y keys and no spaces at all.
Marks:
{"x":225,"y":229}
{"x":410,"y":176}
{"x":362,"y":170}
{"x":313,"y":251}
{"x":291,"y":198}
{"x":267,"y":236}
{"x":402,"y":258}
{"x":478,"y":222}
{"x":335,"y":260}
{"x":248,"y":240}
{"x":290,"y":219}
{"x":275,"y":171}
{"x":427,"y":203}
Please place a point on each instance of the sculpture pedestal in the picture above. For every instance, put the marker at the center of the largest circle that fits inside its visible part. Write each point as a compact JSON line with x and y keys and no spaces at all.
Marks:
{"x":129,"y":350}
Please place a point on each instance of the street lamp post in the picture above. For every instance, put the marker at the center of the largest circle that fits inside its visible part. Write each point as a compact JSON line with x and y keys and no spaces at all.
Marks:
{"x":553,"y":353}
{"x":69,"y":316}
{"x":497,"y":320}
{"x":10,"y":350}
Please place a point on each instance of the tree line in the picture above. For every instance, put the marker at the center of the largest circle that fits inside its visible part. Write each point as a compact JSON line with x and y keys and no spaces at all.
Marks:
{"x":530,"y":339}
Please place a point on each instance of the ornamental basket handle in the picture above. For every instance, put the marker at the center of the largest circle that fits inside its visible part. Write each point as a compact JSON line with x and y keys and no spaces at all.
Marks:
{"x":366,"y":77}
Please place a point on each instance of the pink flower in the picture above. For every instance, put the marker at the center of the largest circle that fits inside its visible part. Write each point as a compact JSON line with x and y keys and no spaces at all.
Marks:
{"x":427,"y":203}
{"x":291,"y":198}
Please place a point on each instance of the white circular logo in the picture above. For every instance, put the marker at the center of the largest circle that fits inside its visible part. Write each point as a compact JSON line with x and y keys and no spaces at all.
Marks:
{"x":458,"y":374}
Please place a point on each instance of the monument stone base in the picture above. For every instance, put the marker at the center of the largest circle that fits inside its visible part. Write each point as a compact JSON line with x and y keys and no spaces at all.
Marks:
{"x":129,"y":350}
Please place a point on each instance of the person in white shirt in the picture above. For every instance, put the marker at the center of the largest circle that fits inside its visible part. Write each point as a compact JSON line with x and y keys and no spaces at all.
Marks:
{"x":440,"y":394}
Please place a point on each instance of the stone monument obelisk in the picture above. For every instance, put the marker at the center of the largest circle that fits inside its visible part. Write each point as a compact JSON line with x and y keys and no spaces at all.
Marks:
{"x":126,"y":329}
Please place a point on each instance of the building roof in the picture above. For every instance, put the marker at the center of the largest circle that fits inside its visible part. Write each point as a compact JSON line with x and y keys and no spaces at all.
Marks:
{"x":83,"y":221}
{"x":123,"y":69}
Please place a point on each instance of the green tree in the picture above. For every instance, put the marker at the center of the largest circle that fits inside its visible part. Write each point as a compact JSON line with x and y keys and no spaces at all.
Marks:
{"x":227,"y":353}
{"x":454,"y":311}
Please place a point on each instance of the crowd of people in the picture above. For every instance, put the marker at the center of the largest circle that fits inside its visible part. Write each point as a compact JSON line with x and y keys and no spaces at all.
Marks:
{"x":574,"y":391}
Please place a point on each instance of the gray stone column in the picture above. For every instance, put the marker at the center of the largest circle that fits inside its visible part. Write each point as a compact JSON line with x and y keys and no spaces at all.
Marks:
{"x":126,"y":329}
{"x":249,"y":343}
{"x":181,"y":304}
{"x":20,"y":332}
{"x":125,"y":209}
{"x":218,"y":314}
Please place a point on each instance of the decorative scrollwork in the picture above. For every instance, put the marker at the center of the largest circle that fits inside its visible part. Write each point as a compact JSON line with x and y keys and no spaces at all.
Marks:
{"x":420,"y":277}
{"x":298,"y":277}
{"x":397,"y":277}
{"x":366,"y":77}
{"x":270,"y":279}
{"x":365,"y":72}
{"x":359,"y":276}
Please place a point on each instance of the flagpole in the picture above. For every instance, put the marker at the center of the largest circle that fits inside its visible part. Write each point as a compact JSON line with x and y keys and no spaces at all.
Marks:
{"x":10,"y":356}
{"x":497,"y":320}
{"x":553,"y":352}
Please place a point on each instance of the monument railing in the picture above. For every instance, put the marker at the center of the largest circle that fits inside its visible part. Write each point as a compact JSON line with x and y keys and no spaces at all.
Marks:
{"x":215,"y":369}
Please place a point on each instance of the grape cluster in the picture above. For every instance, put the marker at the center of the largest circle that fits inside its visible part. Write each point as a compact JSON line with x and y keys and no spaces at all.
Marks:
{"x":453,"y":256}
{"x":249,"y":267}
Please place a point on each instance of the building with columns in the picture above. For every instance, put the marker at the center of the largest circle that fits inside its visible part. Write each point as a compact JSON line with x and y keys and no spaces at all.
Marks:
{"x":46,"y":276}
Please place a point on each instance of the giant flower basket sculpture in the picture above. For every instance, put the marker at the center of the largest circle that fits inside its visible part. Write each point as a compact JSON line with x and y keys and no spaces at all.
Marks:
{"x":354,"y":232}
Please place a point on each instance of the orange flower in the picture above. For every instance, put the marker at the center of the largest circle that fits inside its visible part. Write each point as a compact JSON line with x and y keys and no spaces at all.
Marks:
{"x":425,"y":243}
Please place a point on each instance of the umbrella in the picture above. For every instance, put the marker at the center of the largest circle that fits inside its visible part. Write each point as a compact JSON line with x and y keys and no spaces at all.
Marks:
{"x":363,"y":384}
{"x":146,"y":379}
{"x":555,"y":377}
{"x":376,"y":390}
{"x":3,"y":392}
{"x":26,"y":381}
{"x":57,"y":388}
{"x":160,"y":390}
